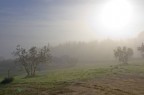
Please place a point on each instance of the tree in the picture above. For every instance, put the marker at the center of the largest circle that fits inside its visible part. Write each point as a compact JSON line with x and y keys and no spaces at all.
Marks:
{"x":123,"y":54}
{"x":31,"y":58}
{"x":141,"y":49}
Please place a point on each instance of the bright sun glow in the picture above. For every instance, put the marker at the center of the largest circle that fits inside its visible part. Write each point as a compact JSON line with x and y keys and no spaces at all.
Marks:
{"x":115,"y":16}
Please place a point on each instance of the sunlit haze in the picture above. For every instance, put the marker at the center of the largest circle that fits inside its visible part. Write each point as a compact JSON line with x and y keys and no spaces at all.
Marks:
{"x":115,"y":15}
{"x":71,"y":47}
{"x":115,"y":18}
{"x":39,"y":22}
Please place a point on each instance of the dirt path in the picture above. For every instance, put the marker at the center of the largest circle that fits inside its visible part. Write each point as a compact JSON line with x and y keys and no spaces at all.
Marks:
{"x":117,"y":85}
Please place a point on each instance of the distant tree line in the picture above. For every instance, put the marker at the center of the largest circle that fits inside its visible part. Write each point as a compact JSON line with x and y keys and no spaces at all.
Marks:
{"x":30,"y":59}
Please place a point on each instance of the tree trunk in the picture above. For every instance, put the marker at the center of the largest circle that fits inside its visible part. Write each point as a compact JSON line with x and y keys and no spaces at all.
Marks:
{"x":34,"y":69}
{"x":27,"y":71}
{"x":8,"y":73}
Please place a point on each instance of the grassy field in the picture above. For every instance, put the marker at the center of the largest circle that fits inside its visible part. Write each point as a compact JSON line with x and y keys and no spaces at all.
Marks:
{"x":57,"y":82}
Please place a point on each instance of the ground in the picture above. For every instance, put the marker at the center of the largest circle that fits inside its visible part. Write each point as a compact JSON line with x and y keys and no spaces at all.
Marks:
{"x":118,"y":85}
{"x":112,"y":80}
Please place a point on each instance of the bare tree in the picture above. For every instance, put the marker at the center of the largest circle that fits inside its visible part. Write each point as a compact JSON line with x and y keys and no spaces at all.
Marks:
{"x":31,"y":58}
{"x":141,"y":49}
{"x":123,"y":54}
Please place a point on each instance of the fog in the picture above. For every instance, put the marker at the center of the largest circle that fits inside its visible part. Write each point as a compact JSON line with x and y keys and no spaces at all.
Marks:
{"x":96,"y":50}
{"x":73,"y":53}
{"x":41,"y":22}
{"x":85,"y":51}
{"x":72,"y":47}
{"x":77,"y":31}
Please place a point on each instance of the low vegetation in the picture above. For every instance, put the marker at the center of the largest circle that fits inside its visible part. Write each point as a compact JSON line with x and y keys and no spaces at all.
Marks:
{"x":57,"y":81}
{"x":96,"y":77}
{"x":7,"y":80}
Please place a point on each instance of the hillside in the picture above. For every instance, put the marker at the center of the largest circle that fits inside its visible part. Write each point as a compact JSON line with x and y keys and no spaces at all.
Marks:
{"x":108,"y":79}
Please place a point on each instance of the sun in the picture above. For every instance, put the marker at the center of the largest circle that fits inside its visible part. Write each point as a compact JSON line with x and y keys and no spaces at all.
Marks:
{"x":113,"y":19}
{"x":116,"y":14}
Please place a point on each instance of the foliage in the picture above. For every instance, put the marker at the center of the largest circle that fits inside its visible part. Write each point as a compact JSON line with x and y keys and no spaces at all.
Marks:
{"x":141,"y":49}
{"x":7,"y":80}
{"x":123,"y":54}
{"x":32,"y":57}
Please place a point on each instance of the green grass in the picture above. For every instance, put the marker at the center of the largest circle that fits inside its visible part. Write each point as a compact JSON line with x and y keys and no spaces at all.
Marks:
{"x":57,"y":79}
{"x":64,"y":75}
{"x":52,"y":81}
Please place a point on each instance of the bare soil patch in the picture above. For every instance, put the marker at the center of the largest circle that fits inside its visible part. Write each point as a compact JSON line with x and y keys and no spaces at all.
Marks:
{"x":116,"y":85}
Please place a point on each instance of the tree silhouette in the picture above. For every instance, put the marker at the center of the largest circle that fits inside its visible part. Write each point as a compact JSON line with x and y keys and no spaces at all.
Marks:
{"x":31,"y":58}
{"x":123,"y":54}
{"x":141,"y":49}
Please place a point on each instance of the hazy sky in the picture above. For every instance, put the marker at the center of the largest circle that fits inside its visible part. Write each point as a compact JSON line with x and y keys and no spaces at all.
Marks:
{"x":38,"y":22}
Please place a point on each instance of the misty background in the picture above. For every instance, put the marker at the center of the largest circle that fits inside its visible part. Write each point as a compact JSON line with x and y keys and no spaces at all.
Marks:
{"x":40,"y":22}
{"x":70,"y":27}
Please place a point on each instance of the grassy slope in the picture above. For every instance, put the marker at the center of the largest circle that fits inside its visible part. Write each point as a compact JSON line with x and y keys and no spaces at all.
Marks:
{"x":56,"y":79}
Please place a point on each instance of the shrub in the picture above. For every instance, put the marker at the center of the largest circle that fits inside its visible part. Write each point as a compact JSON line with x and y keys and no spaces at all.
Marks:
{"x":7,"y":80}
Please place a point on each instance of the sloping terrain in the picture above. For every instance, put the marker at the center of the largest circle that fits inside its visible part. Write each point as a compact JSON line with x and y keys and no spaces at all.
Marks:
{"x":113,"y":80}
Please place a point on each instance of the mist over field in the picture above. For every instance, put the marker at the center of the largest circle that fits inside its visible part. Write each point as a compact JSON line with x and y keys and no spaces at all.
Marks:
{"x":79,"y":53}
{"x":96,"y":50}
{"x":71,"y":47}
{"x":90,"y":51}
{"x":37,"y":23}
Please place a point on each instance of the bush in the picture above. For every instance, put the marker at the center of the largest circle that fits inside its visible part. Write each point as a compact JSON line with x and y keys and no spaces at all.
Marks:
{"x":7,"y":80}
